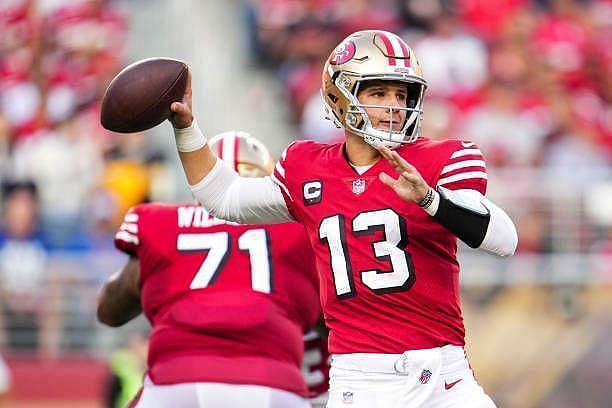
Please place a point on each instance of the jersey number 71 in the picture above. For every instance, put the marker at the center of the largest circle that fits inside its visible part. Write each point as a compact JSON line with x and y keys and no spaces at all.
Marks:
{"x":218,"y":244}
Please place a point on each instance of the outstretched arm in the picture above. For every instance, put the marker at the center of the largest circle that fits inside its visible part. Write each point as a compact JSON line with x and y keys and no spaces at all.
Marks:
{"x":197,"y":158}
{"x":468,"y":214}
{"x":119,"y":299}
{"x":216,"y":186}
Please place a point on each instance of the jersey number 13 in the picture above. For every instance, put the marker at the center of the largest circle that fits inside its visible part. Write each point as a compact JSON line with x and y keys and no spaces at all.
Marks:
{"x":399,"y":278}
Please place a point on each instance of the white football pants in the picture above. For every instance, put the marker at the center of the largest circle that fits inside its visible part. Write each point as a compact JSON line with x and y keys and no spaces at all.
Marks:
{"x":216,"y":395}
{"x":431,"y":378}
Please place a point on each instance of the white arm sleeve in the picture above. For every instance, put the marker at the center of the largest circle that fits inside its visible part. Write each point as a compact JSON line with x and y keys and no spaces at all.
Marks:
{"x":501,"y":237}
{"x":228,"y":196}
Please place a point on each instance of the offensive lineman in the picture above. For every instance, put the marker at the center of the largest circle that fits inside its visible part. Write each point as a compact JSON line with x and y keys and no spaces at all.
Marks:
{"x":228,"y":303}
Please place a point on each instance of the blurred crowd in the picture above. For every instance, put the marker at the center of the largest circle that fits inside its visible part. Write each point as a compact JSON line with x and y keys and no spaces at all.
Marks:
{"x":66,"y":182}
{"x":530,"y":81}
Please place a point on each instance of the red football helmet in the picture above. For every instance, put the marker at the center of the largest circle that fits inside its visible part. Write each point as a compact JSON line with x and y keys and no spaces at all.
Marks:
{"x":247,"y":155}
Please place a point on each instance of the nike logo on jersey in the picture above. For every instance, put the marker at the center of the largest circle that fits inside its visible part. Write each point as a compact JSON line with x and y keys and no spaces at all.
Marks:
{"x":448,"y":386}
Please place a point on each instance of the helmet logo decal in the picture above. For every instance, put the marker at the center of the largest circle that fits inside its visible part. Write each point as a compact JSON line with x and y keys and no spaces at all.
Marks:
{"x":343,"y":53}
{"x":394,"y":48}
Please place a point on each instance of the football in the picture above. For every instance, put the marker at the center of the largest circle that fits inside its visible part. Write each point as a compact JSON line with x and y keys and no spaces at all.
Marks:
{"x":139,"y":97}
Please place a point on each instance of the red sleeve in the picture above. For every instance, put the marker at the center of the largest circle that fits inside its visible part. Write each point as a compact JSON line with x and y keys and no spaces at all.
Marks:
{"x":127,"y":238}
{"x":465,"y":168}
{"x":280,"y":177}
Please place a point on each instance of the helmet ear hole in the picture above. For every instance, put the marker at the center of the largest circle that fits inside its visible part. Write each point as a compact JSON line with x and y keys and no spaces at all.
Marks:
{"x":415,"y":92}
{"x":410,"y":129}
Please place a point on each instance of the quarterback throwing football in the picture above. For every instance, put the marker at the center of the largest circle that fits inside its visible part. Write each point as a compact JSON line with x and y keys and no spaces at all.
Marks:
{"x":383,"y":211}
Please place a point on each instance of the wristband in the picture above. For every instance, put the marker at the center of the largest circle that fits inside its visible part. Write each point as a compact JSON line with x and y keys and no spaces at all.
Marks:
{"x":430,"y":202}
{"x":427,"y":200}
{"x":190,"y":138}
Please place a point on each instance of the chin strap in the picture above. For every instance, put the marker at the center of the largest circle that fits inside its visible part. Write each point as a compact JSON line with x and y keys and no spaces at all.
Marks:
{"x":376,"y":142}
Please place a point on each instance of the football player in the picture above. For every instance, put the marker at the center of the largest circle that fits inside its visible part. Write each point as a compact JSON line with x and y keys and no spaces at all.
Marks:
{"x":383,"y":211}
{"x":228,"y":304}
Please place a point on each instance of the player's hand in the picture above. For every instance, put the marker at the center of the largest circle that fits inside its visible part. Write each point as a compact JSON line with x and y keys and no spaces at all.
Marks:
{"x":182,"y":114}
{"x":410,"y":185}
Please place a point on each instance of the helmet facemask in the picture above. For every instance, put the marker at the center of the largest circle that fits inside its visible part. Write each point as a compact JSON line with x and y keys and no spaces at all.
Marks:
{"x":359,"y":122}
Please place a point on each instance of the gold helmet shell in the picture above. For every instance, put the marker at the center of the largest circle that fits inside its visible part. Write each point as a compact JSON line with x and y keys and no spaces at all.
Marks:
{"x":365,"y":56}
{"x":246,"y":154}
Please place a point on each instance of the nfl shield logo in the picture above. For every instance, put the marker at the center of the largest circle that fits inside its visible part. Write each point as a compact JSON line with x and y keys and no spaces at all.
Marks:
{"x":347,"y":397}
{"x":425,"y":376}
{"x":359,"y":186}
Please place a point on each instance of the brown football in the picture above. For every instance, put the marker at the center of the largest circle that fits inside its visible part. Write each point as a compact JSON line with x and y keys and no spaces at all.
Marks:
{"x":139,"y":97}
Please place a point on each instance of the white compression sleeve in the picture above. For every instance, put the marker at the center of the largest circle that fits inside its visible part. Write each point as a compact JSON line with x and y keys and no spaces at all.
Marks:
{"x":501,"y":237}
{"x":228,"y":196}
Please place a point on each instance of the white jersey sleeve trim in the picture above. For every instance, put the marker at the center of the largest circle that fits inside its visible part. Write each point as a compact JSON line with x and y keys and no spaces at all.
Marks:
{"x":131,"y":217}
{"x":127,"y":237}
{"x":280,"y":169}
{"x":466,"y":152}
{"x":463,"y":164}
{"x":463,"y":176}
{"x":501,"y":237}
{"x":227,"y":196}
{"x":129,"y":227}
{"x":281,"y":185}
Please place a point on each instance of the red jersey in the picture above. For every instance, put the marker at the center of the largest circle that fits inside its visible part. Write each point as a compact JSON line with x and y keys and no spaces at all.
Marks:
{"x":389,"y":272}
{"x":228,"y":303}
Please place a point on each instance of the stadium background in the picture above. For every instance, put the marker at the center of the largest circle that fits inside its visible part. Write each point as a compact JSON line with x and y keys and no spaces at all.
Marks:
{"x":529,"y":81}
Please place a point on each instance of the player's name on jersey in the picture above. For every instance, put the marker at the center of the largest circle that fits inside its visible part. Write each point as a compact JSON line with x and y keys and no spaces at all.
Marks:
{"x":193,"y":216}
